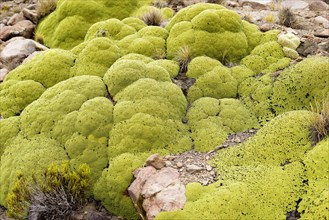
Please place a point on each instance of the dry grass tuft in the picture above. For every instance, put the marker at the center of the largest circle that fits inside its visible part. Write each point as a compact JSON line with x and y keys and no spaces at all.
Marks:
{"x":45,"y":7}
{"x":219,"y":2}
{"x":183,"y":57}
{"x":153,"y":17}
{"x":319,"y":121}
{"x":287,"y":18}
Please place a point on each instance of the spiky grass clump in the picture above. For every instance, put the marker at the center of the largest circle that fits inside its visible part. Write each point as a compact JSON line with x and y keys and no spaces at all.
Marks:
{"x":320,"y":121}
{"x":183,"y":57}
{"x":287,"y":18}
{"x":54,"y":195}
{"x":45,"y":7}
{"x":220,"y":2}
{"x":153,"y":17}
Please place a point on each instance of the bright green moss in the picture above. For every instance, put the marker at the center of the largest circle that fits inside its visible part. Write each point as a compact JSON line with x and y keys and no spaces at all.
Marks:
{"x":211,"y":120}
{"x":9,"y":129}
{"x":263,"y":56}
{"x":27,"y":156}
{"x":47,"y":68}
{"x":75,"y":113}
{"x":67,"y":26}
{"x":240,"y":73}
{"x":251,"y":193}
{"x":134,"y":22}
{"x":166,"y":12}
{"x":149,"y":41}
{"x":211,"y":30}
{"x":283,"y":140}
{"x":201,"y":65}
{"x":256,"y":93}
{"x":170,"y":65}
{"x":96,"y":57}
{"x":112,"y":28}
{"x":315,"y":203}
{"x":302,"y":85}
{"x":218,"y":83}
{"x":158,"y":91}
{"x":16,"y":95}
{"x":125,"y":72}
{"x":144,"y":132}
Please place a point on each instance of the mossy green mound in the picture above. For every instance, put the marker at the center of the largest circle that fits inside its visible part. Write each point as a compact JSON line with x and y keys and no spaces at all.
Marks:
{"x":304,"y":84}
{"x":9,"y":129}
{"x":315,"y":202}
{"x":96,"y":56}
{"x":67,"y":26}
{"x":16,"y":95}
{"x":211,"y":120}
{"x":214,"y":31}
{"x":28,"y":156}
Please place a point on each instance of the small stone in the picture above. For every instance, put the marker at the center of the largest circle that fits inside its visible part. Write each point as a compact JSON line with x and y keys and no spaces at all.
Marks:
{"x":155,"y":161}
{"x":266,"y":27}
{"x":3,"y":73}
{"x":318,"y":6}
{"x":193,"y":168}
{"x":212,"y":173}
{"x":31,"y":15}
{"x":169,"y":157}
{"x":179,"y":164}
{"x":208,"y":168}
{"x":295,"y":4}
{"x":237,"y":140}
{"x":322,"y":33}
{"x":256,"y":4}
{"x":168,"y":163}
{"x":232,"y":4}
{"x":15,"y":19}
{"x":322,"y":20}
{"x":207,"y":157}
{"x":204,"y":182}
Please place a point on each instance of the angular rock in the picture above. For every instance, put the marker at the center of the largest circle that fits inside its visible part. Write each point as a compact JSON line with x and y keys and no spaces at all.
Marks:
{"x":295,"y":4}
{"x":15,"y":19}
{"x":19,"y":48}
{"x":141,"y":175}
{"x":322,"y":33}
{"x":23,"y":28}
{"x":155,"y":161}
{"x":31,"y":15}
{"x":162,"y":179}
{"x":193,"y":168}
{"x":309,"y":47}
{"x":256,"y":4}
{"x":318,"y":6}
{"x":3,"y":73}
{"x":322,"y":20}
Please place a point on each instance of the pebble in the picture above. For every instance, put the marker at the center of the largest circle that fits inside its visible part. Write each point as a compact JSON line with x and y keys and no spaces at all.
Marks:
{"x":179,"y":164}
{"x":168,"y":163}
{"x":193,"y":168}
{"x":208,"y":168}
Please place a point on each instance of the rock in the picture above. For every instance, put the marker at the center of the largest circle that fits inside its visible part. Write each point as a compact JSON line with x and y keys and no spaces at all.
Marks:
{"x":15,"y":19}
{"x":309,"y":47}
{"x":31,"y":56}
{"x":295,"y":4}
{"x":155,"y":161}
{"x":179,"y":164}
{"x":322,"y":20}
{"x":193,"y":168}
{"x":318,"y":6}
{"x":266,"y":27}
{"x":3,"y":73}
{"x":232,"y":4}
{"x":324,"y":46}
{"x":160,"y":180}
{"x":31,"y":15}
{"x":168,"y":163}
{"x":256,"y":4}
{"x":135,"y":189}
{"x":163,"y":191}
{"x":19,"y":48}
{"x":23,"y":28}
{"x":208,"y":168}
{"x":322,"y":33}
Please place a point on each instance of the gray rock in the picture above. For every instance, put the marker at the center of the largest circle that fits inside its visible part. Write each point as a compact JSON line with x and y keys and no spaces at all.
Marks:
{"x":3,"y":73}
{"x":31,"y":15}
{"x":193,"y":168}
{"x":322,"y":20}
{"x":256,"y":4}
{"x":295,"y":4}
{"x":23,"y":28}
{"x":318,"y":6}
{"x":308,"y":47}
{"x":155,"y":161}
{"x":19,"y":48}
{"x":15,"y":19}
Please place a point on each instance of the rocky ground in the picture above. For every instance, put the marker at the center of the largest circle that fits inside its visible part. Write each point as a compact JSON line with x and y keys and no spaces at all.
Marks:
{"x":309,"y":21}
